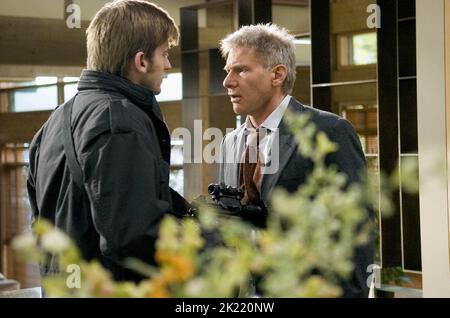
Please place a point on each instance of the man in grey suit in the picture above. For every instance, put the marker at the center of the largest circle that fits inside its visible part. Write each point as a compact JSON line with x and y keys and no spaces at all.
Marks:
{"x":261,"y":71}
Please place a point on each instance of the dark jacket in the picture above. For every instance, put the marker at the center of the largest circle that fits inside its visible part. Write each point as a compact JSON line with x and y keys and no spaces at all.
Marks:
{"x":123,"y":148}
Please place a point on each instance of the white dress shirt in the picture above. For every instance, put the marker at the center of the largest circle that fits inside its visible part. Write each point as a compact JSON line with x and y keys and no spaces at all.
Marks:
{"x":267,"y":130}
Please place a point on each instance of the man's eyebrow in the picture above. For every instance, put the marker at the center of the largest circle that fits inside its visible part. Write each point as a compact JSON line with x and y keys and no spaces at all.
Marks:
{"x":234,"y":66}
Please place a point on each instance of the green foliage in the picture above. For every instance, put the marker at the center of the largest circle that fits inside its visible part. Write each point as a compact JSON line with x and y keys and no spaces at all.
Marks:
{"x":313,"y":230}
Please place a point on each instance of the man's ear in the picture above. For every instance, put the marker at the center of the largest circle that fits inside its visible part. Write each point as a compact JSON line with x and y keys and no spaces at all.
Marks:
{"x":140,"y":62}
{"x":279,"y":73}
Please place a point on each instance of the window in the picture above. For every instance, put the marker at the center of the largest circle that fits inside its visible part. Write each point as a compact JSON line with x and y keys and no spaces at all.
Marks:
{"x":41,"y":94}
{"x":176,"y":180}
{"x":171,"y":88}
{"x":70,"y":89}
{"x":357,"y":49}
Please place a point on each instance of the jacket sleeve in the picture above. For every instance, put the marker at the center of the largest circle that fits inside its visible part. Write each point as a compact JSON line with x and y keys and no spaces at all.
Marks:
{"x":123,"y":181}
{"x":31,"y":182}
{"x":350,"y":159}
{"x":180,"y":205}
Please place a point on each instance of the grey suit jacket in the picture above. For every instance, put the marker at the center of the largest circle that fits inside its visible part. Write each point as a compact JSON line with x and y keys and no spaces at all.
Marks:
{"x":292,"y":167}
{"x":293,"y":170}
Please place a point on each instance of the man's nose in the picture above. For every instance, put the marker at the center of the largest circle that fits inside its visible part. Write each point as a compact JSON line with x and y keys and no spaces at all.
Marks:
{"x":229,"y":82}
{"x":168,"y":66}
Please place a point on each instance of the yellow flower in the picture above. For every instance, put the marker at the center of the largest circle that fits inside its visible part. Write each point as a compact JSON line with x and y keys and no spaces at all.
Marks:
{"x":158,"y":288}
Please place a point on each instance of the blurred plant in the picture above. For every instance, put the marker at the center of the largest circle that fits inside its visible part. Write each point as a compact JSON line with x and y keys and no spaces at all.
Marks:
{"x":314,"y":230}
{"x":394,"y":276}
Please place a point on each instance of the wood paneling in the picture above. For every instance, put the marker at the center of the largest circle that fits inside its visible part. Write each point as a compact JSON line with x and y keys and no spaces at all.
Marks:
{"x":354,"y":93}
{"x":349,"y":15}
{"x":41,"y":42}
{"x":48,"y":42}
{"x":172,"y":114}
{"x":21,"y":127}
{"x":300,"y":3}
{"x":302,"y":86}
{"x":355,"y":74}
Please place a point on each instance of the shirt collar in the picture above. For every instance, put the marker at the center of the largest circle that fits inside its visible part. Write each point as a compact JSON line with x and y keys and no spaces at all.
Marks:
{"x":273,"y":120}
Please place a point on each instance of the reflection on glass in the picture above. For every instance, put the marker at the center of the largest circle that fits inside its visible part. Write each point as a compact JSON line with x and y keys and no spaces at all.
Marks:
{"x":364,"y":119}
{"x":303,"y":51}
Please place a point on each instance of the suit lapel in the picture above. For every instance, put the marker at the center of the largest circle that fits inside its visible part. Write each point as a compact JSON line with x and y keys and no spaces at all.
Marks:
{"x":286,"y":149}
{"x":287,"y":146}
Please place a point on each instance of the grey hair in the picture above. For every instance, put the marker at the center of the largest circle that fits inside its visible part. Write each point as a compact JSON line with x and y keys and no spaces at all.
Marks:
{"x":272,"y":44}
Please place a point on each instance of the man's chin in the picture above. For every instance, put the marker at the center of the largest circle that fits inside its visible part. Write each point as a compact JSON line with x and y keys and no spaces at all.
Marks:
{"x":238,"y":109}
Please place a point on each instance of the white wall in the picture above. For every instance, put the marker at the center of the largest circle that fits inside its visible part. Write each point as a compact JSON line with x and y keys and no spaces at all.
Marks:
{"x":431,"y":107}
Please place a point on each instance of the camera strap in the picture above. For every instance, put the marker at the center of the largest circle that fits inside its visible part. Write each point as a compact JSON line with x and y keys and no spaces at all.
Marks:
{"x":69,"y":148}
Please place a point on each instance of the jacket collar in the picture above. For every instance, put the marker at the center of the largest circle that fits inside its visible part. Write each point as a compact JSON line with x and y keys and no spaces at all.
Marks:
{"x":138,"y":95}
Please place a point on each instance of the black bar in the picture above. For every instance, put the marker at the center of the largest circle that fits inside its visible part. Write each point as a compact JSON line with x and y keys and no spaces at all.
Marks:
{"x":320,"y":52}
{"x":388,"y":126}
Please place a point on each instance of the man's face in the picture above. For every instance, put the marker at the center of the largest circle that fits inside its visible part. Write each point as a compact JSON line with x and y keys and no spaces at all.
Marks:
{"x":248,"y":83}
{"x":158,"y":67}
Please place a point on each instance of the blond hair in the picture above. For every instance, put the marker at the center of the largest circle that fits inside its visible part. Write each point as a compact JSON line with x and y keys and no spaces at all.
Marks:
{"x":272,"y":44}
{"x":121,"y":29}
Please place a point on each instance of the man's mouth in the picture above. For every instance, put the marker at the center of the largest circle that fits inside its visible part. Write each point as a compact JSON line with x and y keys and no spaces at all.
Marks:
{"x":235,"y":98}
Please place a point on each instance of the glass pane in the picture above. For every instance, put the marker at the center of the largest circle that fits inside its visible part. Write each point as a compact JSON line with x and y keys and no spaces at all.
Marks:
{"x":303,"y":51}
{"x":176,"y":180}
{"x":70,"y":79}
{"x":407,"y":48}
{"x":171,"y":88}
{"x":408,"y":116}
{"x":176,"y":154}
{"x":69,"y":91}
{"x":372,"y":164}
{"x":364,"y":119}
{"x":364,"y":48}
{"x":411,"y":225}
{"x":32,"y":99}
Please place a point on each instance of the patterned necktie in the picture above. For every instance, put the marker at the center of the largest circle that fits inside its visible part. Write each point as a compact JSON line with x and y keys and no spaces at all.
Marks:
{"x":250,"y":176}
